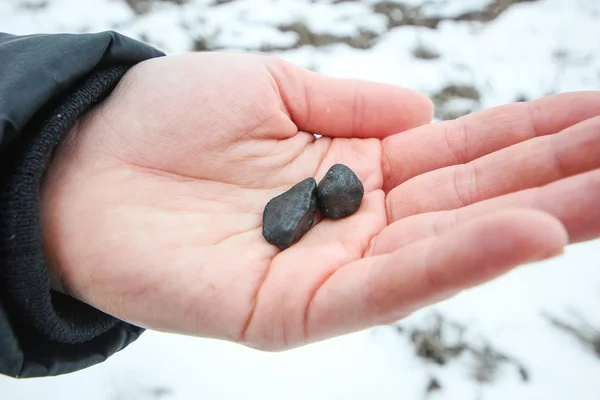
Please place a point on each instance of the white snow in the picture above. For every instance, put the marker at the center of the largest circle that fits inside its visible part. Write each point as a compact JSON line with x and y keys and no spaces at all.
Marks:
{"x":532,"y":49}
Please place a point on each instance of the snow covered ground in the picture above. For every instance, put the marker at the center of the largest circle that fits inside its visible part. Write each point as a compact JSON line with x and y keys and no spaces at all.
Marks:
{"x":467,"y":55}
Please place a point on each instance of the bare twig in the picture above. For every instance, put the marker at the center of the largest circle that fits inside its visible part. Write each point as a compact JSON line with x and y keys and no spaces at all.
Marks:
{"x":433,"y":344}
{"x":488,"y":360}
{"x":585,"y":333}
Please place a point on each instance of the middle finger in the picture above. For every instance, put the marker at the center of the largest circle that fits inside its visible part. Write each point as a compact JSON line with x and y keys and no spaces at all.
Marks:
{"x":522,"y":166}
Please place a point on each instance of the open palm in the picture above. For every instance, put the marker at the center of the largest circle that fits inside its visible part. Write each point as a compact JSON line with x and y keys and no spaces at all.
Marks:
{"x":152,"y":208}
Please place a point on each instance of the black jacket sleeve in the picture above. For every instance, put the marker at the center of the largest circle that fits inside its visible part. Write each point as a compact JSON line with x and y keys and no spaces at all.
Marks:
{"x":47,"y":82}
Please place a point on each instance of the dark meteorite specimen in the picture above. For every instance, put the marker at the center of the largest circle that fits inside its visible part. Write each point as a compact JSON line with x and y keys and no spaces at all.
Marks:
{"x":290,"y":215}
{"x":340,"y":192}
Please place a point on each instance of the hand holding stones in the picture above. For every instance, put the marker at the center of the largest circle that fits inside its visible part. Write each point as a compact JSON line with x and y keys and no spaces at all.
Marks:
{"x":290,"y":215}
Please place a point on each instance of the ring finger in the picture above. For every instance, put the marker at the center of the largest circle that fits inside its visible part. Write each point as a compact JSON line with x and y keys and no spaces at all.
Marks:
{"x":572,"y":200}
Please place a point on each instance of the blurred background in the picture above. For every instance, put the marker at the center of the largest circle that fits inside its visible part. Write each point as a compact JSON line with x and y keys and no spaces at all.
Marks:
{"x":532,"y":334}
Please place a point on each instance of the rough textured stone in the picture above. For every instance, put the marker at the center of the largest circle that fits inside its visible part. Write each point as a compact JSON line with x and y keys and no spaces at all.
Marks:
{"x":290,"y":215}
{"x":340,"y":192}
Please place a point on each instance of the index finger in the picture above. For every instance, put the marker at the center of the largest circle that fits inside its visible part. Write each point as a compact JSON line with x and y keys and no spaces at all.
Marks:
{"x":465,"y":139}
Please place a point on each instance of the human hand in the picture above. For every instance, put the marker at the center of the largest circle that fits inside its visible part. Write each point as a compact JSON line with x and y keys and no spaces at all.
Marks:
{"x":152,"y":208}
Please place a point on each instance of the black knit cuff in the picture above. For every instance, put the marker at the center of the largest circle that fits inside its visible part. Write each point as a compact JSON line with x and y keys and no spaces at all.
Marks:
{"x":57,"y":333}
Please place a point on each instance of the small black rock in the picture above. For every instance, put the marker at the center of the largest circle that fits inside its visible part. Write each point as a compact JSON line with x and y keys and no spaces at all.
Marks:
{"x":340,"y":192}
{"x":290,"y":215}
